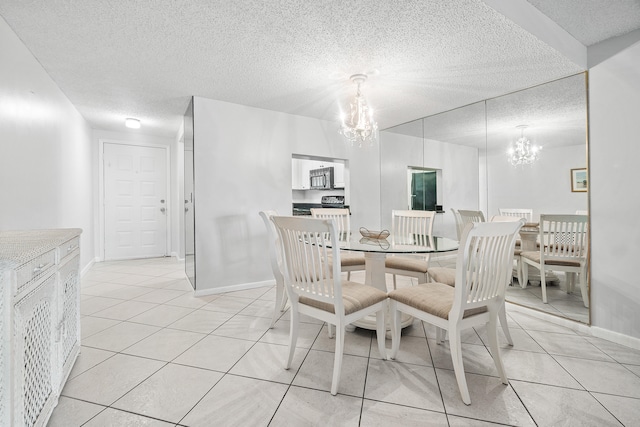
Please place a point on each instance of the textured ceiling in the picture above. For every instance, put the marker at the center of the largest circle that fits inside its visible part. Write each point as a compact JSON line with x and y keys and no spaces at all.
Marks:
{"x":592,"y":21}
{"x":146,"y":58}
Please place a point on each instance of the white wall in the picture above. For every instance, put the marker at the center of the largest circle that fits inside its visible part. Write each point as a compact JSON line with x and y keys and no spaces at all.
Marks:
{"x":544,"y":186}
{"x":614,"y":99}
{"x":176,"y":174}
{"x":243,"y":166}
{"x":46,"y":178}
{"x":460,"y":176}
{"x":459,"y":183}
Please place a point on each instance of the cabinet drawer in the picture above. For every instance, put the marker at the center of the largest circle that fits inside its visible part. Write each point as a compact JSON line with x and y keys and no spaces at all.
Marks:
{"x":34,"y":269}
{"x":67,"y":248}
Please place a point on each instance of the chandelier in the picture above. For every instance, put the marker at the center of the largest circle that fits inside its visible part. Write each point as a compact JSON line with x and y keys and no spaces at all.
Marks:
{"x":358,"y":126}
{"x":522,"y":152}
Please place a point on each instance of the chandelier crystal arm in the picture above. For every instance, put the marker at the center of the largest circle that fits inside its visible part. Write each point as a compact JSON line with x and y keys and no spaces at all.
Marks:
{"x":522,"y":152}
{"x":358,"y":126}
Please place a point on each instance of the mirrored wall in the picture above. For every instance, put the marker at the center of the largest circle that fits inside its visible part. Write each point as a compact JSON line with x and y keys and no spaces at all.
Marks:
{"x":470,"y":145}
{"x":189,"y":207}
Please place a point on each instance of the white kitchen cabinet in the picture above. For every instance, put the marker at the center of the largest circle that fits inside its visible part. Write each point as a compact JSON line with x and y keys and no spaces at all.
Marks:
{"x":338,"y":175}
{"x":39,"y":322}
{"x":300,"y":172}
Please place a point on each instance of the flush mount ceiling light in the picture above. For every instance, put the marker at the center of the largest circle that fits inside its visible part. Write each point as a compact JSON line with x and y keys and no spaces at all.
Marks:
{"x":358,"y":126}
{"x":132,"y":123}
{"x":522,"y":152}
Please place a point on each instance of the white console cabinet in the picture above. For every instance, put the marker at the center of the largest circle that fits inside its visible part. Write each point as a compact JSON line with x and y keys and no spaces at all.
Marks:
{"x":39,"y":322}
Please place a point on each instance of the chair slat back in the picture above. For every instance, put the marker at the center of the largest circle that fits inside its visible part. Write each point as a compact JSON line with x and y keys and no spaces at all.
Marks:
{"x":458,"y":221}
{"x":527,"y":214}
{"x":307,"y":271}
{"x":411,"y":223}
{"x":464,"y":217}
{"x":564,"y":236}
{"x":484,"y":264}
{"x":341,"y":216}
{"x":274,"y":244}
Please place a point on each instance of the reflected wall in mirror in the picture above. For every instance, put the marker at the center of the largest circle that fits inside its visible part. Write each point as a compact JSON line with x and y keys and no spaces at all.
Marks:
{"x":453,"y":143}
{"x":555,"y":114}
{"x":470,"y":146}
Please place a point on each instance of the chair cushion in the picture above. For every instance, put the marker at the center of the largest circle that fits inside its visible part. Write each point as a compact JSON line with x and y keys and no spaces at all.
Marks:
{"x":407,"y":264}
{"x":433,"y":298}
{"x":349,"y":259}
{"x":535,"y":257}
{"x":355,"y":296}
{"x":443,"y":275}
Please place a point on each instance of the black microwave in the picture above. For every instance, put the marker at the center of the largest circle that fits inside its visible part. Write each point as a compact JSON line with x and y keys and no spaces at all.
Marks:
{"x":321,"y":179}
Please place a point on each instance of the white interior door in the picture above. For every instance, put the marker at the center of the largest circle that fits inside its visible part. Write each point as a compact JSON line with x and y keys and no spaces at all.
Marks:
{"x":135,"y":201}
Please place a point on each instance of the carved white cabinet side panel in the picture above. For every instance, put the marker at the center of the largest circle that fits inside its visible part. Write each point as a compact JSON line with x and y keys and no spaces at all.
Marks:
{"x":69,"y":309}
{"x":34,"y":352}
{"x":39,"y":321}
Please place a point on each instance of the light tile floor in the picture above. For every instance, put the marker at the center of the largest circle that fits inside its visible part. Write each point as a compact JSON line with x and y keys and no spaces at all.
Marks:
{"x":559,"y":302}
{"x":155,"y":355}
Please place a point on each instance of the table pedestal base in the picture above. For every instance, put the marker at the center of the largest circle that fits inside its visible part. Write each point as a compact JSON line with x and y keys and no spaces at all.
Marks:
{"x":375,"y":276}
{"x":529,"y":235}
{"x":534,"y":275}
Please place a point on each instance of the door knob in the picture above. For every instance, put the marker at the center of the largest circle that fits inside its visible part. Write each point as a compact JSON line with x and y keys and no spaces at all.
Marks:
{"x":162,"y":210}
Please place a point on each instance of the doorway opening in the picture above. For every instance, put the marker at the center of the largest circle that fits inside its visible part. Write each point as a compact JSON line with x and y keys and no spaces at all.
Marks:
{"x":424,"y":188}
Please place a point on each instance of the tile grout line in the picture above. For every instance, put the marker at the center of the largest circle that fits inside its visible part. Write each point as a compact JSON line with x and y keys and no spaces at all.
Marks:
{"x":309,"y":349}
{"x":294,"y":376}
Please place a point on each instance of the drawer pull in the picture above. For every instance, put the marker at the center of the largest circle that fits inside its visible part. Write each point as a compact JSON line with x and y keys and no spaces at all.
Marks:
{"x":38,"y":269}
{"x":72,"y":248}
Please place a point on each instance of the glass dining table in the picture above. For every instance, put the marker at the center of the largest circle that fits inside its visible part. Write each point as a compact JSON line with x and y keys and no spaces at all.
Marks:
{"x":376,"y":251}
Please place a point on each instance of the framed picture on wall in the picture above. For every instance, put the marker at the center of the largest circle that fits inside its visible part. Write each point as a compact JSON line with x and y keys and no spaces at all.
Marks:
{"x":579,"y":180}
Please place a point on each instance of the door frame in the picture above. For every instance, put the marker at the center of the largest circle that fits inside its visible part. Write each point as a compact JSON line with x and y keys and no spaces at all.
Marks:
{"x":101,"y":220}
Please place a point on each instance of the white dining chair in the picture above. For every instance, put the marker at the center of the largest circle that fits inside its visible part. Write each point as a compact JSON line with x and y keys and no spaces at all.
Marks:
{"x":349,"y":261}
{"x":483,"y":268}
{"x":316,"y":289}
{"x":471,"y":217}
{"x":447,"y":275}
{"x":410,"y":224}
{"x":563,"y":247}
{"x":276,"y":264}
{"x":517,"y":251}
{"x":527,"y":214}
{"x":463,"y":217}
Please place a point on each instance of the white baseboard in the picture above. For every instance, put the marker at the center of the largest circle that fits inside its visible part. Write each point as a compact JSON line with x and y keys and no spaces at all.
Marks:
{"x":584,"y":329}
{"x":175,"y":255}
{"x":232,"y":288}
{"x":616,"y":337}
{"x":88,"y":266}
